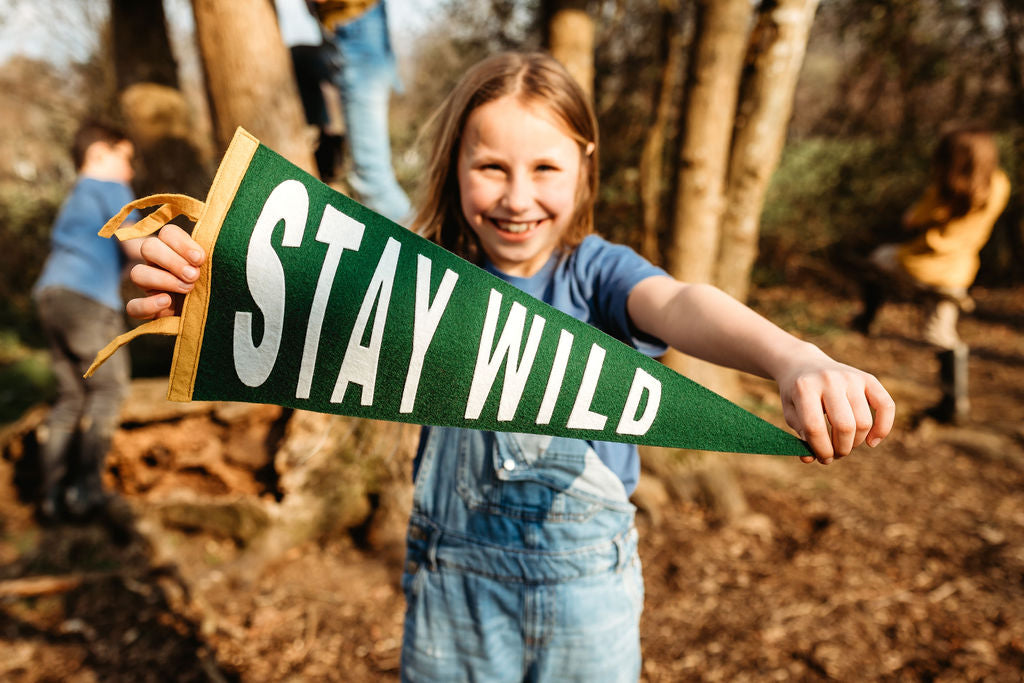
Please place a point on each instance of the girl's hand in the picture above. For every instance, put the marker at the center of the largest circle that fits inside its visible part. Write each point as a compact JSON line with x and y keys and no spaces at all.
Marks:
{"x":834,"y":407}
{"x":172,"y":259}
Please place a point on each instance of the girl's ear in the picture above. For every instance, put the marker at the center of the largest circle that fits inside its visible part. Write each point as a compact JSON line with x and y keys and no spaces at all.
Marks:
{"x":589,"y":149}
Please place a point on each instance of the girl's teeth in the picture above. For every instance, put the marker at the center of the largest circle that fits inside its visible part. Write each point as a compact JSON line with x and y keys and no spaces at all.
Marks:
{"x":514,"y":227}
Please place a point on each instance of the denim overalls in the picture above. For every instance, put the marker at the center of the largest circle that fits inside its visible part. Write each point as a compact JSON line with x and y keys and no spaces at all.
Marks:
{"x":521,"y":563}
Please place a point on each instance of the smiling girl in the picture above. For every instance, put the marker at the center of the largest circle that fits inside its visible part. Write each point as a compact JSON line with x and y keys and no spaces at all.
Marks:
{"x":522,"y":561}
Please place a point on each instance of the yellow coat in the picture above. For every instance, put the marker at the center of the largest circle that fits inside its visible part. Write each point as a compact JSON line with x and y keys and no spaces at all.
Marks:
{"x":945,"y":255}
{"x":333,"y":13}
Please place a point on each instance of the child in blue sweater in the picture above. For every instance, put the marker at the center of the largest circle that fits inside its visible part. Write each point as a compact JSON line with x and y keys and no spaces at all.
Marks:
{"x":522,"y":561}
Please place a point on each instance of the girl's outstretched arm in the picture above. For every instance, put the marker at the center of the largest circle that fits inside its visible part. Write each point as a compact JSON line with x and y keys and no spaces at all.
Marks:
{"x":171,"y":268}
{"x":833,"y":406}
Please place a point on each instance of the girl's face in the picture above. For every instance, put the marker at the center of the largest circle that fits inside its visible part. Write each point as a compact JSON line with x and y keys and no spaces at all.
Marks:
{"x":518,"y":171}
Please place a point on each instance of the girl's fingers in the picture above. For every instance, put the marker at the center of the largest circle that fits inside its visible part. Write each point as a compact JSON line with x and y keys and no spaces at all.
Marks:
{"x":861,"y":415}
{"x":808,"y":406}
{"x":794,"y":420}
{"x":885,"y":411}
{"x":836,"y":405}
{"x":833,"y":413}
{"x":153,"y":306}
{"x":160,"y":255}
{"x":154,"y":279}
{"x":182,"y":244}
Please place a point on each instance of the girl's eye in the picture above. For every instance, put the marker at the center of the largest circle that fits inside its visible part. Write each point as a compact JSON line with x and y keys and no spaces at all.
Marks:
{"x":546,"y":168}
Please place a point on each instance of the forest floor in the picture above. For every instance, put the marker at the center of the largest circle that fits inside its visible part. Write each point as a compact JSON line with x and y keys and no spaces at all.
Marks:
{"x":904,"y":562}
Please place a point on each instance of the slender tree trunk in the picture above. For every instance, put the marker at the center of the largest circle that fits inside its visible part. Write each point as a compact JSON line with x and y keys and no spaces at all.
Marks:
{"x":722,"y":29}
{"x":140,"y":45}
{"x":711,"y":93}
{"x":763,"y":117}
{"x":652,"y":158}
{"x":712,"y":89}
{"x":570,"y":38}
{"x":135,"y":24}
{"x":154,"y":109}
{"x":1012,"y":20}
{"x":249,"y":77}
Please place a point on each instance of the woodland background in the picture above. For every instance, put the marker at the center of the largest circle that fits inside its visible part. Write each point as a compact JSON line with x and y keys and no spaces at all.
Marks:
{"x":763,"y":146}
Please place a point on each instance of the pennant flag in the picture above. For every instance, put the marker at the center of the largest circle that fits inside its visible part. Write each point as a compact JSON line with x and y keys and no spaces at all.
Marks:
{"x":310,"y":300}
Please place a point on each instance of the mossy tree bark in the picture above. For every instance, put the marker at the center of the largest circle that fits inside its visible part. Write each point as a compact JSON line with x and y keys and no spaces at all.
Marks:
{"x":569,"y":35}
{"x":249,"y":77}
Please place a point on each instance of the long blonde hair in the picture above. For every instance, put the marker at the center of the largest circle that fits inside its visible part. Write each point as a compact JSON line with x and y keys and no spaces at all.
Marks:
{"x":534,"y":78}
{"x":963,"y":165}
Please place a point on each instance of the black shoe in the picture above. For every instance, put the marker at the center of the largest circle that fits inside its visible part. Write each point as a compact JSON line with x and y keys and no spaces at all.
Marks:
{"x":84,"y":501}
{"x":51,"y":509}
{"x":862,"y":323}
{"x":948,"y":412}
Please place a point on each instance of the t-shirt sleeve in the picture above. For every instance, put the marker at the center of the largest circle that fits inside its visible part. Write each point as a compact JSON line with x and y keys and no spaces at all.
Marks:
{"x":114,"y":197}
{"x":614,"y":270}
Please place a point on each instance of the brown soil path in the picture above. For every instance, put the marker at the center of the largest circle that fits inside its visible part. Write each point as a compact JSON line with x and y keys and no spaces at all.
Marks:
{"x":901,"y":563}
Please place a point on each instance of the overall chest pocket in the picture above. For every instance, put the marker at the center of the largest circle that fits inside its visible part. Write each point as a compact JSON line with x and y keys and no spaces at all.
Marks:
{"x":536,"y":478}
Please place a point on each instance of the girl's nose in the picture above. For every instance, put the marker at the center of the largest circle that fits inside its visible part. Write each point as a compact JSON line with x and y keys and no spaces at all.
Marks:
{"x":518,"y":193}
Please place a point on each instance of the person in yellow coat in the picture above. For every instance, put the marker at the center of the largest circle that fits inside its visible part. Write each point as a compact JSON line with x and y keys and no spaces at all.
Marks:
{"x":947,"y":228}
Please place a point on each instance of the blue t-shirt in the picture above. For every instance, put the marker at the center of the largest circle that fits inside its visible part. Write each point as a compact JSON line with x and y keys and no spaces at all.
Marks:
{"x":81,"y":260}
{"x":592,"y":283}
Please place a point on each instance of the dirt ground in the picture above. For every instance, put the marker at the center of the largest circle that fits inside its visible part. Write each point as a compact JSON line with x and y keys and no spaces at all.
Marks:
{"x":905,"y":562}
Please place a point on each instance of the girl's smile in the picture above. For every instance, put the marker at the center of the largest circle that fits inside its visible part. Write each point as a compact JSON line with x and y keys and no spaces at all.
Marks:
{"x":518,"y":172}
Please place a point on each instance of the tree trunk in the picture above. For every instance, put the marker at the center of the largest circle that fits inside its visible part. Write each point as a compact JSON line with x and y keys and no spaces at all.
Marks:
{"x":570,"y":38}
{"x":156,"y":114}
{"x":711,"y":93}
{"x":714,"y":75}
{"x":712,"y":89}
{"x":763,"y":116}
{"x":1013,"y":30}
{"x":652,"y":159}
{"x":138,"y":23}
{"x":249,"y":77}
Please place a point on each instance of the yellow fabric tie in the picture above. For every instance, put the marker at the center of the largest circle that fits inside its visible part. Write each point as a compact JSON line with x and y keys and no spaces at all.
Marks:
{"x":170,"y":205}
{"x":168,"y":326}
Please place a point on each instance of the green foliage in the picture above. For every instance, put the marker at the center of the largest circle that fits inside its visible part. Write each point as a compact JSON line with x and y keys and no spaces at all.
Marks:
{"x":833,"y":199}
{"x":26,"y":377}
{"x":27,"y":211}
{"x":835,"y":190}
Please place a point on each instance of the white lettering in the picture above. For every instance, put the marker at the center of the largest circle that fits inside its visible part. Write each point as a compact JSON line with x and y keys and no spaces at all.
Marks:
{"x":338,"y":232}
{"x":582,"y":417}
{"x":264,"y":274}
{"x":360,"y":363}
{"x":629,"y":423}
{"x":554,"y":387}
{"x":507,"y":348}
{"x":425,"y":320}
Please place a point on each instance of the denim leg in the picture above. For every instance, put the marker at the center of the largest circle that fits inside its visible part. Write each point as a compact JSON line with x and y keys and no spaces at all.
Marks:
{"x":78,"y":328}
{"x":588,"y":629}
{"x":528,"y":574}
{"x":365,"y":78}
{"x":461,"y":626}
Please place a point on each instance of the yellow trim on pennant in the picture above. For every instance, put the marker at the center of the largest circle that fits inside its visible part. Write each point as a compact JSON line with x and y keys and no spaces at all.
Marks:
{"x":196,"y":307}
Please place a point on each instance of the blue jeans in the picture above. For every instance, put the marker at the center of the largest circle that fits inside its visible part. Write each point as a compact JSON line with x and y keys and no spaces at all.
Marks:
{"x":77,"y":328}
{"x":521,"y":563}
{"x":365,"y":75}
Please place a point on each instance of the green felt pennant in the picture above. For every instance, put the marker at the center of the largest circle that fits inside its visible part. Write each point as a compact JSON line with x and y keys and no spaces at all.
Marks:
{"x":313,"y":301}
